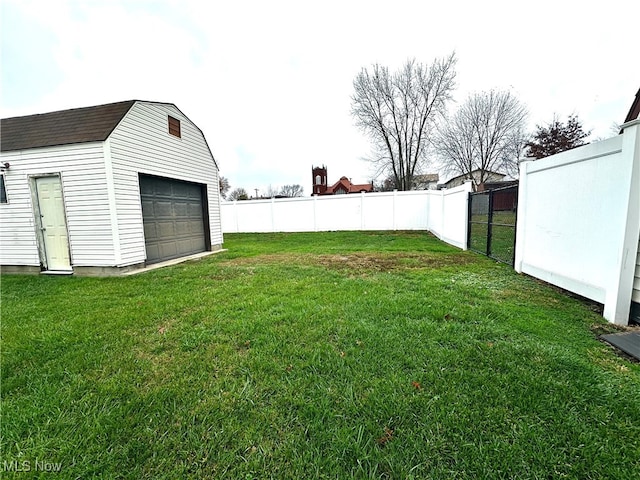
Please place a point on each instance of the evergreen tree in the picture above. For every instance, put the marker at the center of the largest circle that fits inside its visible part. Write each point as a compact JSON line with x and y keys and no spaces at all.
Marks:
{"x":556,"y":137}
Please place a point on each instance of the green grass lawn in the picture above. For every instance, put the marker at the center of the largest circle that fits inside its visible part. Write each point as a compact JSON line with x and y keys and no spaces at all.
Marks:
{"x":321,"y":355}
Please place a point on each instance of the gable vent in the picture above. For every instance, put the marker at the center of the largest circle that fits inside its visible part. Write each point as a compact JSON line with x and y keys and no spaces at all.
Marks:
{"x":174,"y":126}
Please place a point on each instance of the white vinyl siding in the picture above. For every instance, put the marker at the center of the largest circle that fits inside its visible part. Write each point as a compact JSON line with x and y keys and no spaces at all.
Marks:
{"x":141,"y":143}
{"x":82,"y":172}
{"x":635,"y":295}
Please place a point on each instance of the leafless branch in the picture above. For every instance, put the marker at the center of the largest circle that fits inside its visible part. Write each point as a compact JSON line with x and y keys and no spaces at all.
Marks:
{"x":399,"y":112}
{"x":486,"y":134}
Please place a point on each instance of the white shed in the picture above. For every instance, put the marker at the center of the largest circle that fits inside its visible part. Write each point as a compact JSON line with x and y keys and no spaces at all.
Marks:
{"x":105,"y":189}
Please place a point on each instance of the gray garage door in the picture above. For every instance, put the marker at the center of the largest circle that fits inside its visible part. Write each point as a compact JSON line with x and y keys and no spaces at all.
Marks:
{"x":173,"y":218}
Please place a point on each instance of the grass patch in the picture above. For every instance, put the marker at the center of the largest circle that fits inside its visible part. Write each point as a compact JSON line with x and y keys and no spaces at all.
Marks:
{"x":322,"y":355}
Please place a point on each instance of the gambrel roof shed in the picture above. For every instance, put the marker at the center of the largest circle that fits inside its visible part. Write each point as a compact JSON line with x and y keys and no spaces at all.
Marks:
{"x":106,"y":188}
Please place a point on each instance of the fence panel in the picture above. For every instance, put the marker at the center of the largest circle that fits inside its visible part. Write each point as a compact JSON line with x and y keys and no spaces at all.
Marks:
{"x":492,"y":223}
{"x":443,"y":212}
{"x":579,"y":220}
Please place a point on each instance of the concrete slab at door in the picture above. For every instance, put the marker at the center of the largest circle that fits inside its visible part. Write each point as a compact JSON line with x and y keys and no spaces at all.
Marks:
{"x":53,"y":223}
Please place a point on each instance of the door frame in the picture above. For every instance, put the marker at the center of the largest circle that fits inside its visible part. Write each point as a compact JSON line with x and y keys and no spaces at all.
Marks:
{"x":42,"y":253}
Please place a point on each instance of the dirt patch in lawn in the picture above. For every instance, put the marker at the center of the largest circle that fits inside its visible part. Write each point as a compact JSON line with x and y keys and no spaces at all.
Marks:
{"x":361,"y":262}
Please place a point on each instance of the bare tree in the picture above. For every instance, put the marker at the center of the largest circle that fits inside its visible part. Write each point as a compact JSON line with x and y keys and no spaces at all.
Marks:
{"x":239,"y":194}
{"x":487,"y":134}
{"x":399,"y":111}
{"x":387,"y":184}
{"x":291,"y":190}
{"x":271,"y":192}
{"x":224,"y":187}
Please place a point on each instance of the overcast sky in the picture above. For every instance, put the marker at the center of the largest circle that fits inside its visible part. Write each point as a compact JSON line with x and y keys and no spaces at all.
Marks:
{"x":270,"y":82}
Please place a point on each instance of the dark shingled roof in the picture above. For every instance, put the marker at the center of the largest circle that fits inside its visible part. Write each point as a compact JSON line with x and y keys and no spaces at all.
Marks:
{"x":78,"y":125}
{"x":634,"y":111}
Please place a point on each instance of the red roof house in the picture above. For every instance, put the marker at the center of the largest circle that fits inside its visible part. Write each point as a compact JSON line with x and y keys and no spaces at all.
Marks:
{"x":342,"y":186}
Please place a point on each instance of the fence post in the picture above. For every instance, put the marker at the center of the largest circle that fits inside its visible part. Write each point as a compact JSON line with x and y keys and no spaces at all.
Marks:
{"x":515,"y":227}
{"x":521,"y":214}
{"x":441,"y":226}
{"x":235,"y":210}
{"x":469,"y":217}
{"x":393,"y":222}
{"x":362,"y":211}
{"x":617,"y":304}
{"x":489,"y":223}
{"x":273,"y":221}
{"x":467,"y":233}
{"x":315,"y":214}
{"x":428,"y":210}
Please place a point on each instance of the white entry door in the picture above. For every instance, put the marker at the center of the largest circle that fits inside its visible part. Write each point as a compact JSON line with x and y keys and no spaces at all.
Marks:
{"x":52,"y":223}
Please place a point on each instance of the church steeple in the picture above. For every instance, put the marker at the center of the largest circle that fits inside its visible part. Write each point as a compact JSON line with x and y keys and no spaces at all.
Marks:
{"x":319,"y":184}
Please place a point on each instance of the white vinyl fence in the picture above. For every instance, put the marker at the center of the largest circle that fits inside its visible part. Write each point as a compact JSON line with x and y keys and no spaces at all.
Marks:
{"x":443,"y":212}
{"x":579,"y":220}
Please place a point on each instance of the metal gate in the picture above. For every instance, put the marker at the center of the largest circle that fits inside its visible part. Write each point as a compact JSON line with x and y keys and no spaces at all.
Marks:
{"x":492,"y":223}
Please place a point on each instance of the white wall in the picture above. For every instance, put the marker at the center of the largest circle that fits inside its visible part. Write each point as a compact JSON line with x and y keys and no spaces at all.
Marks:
{"x":84,"y":186}
{"x":443,"y":212}
{"x":141,"y":144}
{"x":578,"y":220}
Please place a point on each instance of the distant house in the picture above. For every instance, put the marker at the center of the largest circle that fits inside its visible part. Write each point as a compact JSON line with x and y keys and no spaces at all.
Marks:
{"x":475,"y":176}
{"x":495,"y":185}
{"x":428,"y":181}
{"x":105,"y":189}
{"x":341,"y":187}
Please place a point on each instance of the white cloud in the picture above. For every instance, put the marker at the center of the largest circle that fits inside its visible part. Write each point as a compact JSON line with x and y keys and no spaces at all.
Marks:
{"x":269,"y":83}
